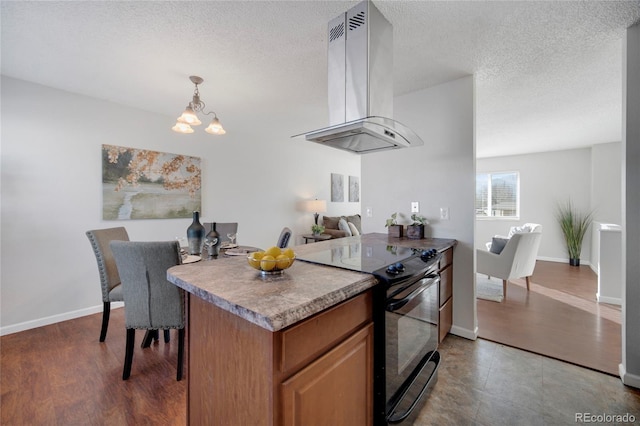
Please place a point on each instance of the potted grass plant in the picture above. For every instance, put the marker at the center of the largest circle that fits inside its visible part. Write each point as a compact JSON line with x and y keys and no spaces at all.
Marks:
{"x":574,"y":225}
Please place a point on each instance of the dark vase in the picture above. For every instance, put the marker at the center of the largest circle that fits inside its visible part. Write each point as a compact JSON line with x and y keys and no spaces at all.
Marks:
{"x":574,"y":262}
{"x":195,"y":235}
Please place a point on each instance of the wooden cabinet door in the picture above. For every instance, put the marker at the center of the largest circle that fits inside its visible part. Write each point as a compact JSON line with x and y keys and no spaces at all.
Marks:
{"x":335,"y":389}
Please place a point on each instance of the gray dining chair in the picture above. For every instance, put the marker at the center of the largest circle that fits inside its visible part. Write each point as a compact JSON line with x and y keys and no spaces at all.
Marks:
{"x":283,"y":239}
{"x":109,"y":278}
{"x":150,"y":301}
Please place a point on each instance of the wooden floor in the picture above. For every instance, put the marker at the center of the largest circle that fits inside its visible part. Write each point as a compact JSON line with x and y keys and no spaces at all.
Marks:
{"x":559,"y":318}
{"x":62,"y":375}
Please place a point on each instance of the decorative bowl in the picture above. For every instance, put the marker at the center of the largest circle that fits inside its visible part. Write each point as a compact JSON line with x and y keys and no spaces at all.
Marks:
{"x":270,"y":265}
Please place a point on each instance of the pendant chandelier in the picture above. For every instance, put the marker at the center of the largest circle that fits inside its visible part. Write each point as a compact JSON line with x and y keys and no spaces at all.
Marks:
{"x":189,"y":117}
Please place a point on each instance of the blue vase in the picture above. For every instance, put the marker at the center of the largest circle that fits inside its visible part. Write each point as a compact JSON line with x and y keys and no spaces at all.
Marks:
{"x":195,"y":235}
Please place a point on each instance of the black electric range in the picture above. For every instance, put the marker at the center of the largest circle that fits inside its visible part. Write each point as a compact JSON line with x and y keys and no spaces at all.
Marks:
{"x":405,"y":316}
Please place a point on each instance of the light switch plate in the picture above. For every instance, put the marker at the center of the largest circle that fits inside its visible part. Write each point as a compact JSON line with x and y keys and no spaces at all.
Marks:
{"x":415,"y":207}
{"x":444,"y":213}
{"x":369,"y":212}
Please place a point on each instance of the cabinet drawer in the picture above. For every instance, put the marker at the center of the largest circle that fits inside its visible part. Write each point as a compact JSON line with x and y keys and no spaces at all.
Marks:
{"x":447,"y":258}
{"x":309,"y":339}
{"x":446,"y":284}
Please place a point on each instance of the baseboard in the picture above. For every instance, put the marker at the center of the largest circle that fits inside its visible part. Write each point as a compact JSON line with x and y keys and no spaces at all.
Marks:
{"x":610,"y":300}
{"x":562,"y":260}
{"x":628,"y":379}
{"x":41,"y":322}
{"x":464,"y":332}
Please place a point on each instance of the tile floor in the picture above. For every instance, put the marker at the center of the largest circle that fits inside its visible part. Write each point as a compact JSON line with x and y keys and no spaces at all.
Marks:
{"x":489,"y":384}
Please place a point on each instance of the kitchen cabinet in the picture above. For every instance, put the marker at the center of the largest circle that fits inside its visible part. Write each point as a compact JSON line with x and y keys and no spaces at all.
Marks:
{"x":319,"y":369}
{"x":445,"y":295}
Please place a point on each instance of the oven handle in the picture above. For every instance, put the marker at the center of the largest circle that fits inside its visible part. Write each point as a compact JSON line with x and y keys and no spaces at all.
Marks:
{"x":392,"y":417}
{"x":395,"y":304}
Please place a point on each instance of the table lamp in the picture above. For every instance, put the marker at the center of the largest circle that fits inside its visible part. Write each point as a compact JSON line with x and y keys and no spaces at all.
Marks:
{"x":316,"y":207}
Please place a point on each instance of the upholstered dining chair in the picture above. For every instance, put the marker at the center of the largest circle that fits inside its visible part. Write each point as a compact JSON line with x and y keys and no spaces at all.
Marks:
{"x":109,"y":278}
{"x":283,"y":239}
{"x":516,"y":260}
{"x":150,"y":301}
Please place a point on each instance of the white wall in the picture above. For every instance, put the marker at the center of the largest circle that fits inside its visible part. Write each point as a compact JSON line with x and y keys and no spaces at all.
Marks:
{"x":630,"y":367}
{"x":606,"y":192}
{"x":51,"y":190}
{"x":606,"y":182}
{"x":439,"y":174}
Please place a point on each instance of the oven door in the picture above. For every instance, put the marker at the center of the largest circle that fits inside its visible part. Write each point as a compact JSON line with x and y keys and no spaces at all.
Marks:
{"x":411,"y":317}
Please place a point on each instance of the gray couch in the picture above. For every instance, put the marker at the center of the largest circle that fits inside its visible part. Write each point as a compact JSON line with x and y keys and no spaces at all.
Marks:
{"x":351,"y":225}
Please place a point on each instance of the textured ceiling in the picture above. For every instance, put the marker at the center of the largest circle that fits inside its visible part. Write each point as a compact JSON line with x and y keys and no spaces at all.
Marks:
{"x":548,"y":72}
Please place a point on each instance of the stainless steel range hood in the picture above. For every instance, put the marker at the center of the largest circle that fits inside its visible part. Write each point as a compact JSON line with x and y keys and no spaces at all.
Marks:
{"x":360,"y":74}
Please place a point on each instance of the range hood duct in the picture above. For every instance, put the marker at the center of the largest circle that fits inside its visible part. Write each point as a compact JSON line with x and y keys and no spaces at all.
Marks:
{"x":360,"y":74}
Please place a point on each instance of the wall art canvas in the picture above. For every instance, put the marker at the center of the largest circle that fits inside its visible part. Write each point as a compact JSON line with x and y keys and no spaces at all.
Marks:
{"x":354,"y":189}
{"x":337,"y":187}
{"x":144,"y":184}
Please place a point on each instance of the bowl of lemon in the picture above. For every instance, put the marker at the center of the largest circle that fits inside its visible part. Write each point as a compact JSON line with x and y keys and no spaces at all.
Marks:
{"x":272,"y":261}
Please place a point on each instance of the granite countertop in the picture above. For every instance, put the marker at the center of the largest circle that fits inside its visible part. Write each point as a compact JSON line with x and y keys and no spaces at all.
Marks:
{"x":278,"y":301}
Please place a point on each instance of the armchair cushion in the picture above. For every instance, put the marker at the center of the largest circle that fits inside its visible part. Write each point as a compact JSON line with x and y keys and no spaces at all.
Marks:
{"x":497,"y":244}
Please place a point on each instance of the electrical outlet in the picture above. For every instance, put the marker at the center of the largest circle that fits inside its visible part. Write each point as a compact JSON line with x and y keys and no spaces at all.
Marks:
{"x":369,"y":212}
{"x":444,"y":213}
{"x":415,"y":207}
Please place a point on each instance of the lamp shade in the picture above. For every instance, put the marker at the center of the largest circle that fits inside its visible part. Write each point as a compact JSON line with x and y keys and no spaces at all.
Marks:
{"x":215,"y":128}
{"x":316,"y":206}
{"x":189,"y":117}
{"x":182,"y":128}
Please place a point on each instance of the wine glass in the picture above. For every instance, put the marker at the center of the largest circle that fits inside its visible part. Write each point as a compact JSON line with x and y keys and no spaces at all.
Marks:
{"x":232,"y":237}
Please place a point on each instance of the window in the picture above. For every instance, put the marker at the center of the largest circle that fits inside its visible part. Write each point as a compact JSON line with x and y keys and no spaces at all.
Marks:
{"x":498,"y":194}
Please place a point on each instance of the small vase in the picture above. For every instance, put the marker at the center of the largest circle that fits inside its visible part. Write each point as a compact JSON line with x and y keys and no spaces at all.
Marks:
{"x":574,"y":262}
{"x":195,"y":235}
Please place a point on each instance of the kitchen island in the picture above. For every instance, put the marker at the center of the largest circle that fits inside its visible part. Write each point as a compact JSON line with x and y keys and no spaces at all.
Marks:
{"x":281,"y":349}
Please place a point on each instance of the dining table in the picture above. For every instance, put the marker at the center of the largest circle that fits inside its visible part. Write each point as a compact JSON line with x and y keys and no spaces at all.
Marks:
{"x":225,"y":250}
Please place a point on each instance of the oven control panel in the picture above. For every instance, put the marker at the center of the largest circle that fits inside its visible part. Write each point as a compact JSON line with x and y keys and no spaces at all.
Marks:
{"x":420,"y":264}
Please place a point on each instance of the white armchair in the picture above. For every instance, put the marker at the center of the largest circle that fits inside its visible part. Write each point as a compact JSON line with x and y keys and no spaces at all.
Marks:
{"x":516,"y":260}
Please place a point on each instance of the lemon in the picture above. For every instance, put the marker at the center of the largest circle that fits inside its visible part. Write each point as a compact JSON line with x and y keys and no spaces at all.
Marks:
{"x":254,"y":259}
{"x":273,"y":251}
{"x":283,"y":261}
{"x":268,"y":262}
{"x":289,"y":253}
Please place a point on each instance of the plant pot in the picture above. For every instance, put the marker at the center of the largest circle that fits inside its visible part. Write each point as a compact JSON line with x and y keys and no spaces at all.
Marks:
{"x":396,"y":231}
{"x":574,"y":262}
{"x":415,"y":232}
